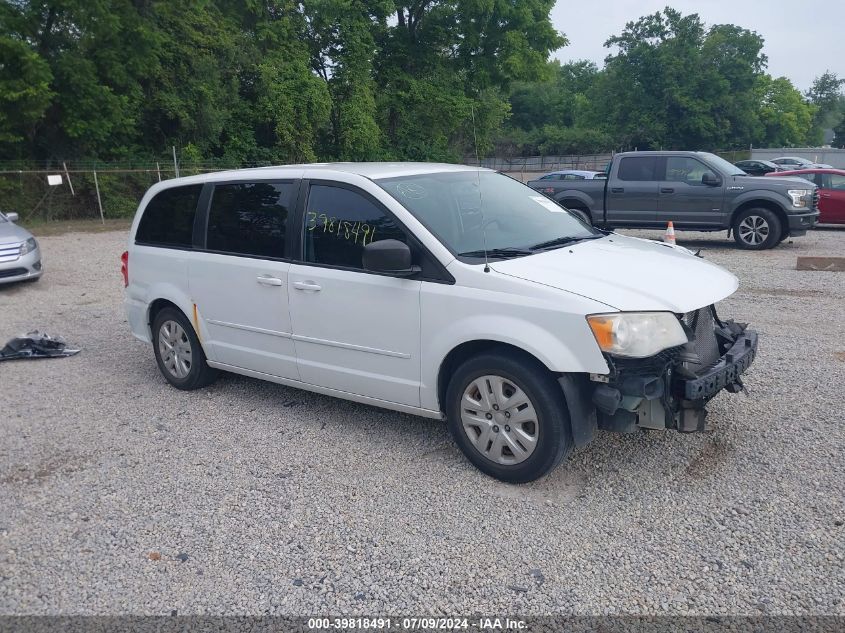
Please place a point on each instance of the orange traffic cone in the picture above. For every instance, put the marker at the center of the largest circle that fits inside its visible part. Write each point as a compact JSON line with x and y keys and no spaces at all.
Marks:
{"x":669,"y":238}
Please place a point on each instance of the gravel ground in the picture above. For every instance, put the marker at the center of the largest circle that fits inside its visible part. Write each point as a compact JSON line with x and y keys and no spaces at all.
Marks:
{"x":119,"y":494}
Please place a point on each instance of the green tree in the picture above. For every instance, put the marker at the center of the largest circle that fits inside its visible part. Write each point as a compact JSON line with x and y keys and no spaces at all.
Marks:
{"x":786,"y":117}
{"x":444,"y":64}
{"x":674,"y":84}
{"x":24,"y":91}
{"x":826,"y":95}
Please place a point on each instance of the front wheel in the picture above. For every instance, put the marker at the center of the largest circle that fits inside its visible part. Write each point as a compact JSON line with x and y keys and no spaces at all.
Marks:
{"x":757,"y":229}
{"x":508,"y":415}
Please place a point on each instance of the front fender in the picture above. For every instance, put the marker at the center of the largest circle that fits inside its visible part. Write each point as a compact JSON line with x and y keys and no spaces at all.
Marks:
{"x":570,"y":349}
{"x":759,"y":194}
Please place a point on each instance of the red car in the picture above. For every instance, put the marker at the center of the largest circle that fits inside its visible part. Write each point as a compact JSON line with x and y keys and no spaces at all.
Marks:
{"x":831,"y":184}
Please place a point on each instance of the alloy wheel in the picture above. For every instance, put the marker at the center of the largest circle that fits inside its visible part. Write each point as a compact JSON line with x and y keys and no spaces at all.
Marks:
{"x":753,"y":230}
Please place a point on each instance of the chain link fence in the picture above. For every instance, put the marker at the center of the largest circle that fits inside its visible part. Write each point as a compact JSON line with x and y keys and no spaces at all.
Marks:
{"x":94,"y":190}
{"x":86,"y":190}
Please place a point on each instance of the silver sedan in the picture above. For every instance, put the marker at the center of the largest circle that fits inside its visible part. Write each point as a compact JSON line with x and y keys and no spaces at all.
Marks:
{"x":20,"y":257}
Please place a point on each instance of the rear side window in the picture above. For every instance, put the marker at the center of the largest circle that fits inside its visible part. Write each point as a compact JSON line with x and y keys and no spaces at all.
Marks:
{"x":638,"y":168}
{"x":339,"y":222}
{"x":250,"y":218}
{"x":168,"y":219}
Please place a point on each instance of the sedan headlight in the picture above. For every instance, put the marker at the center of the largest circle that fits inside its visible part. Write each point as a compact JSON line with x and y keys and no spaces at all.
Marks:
{"x":28,"y":246}
{"x":799,"y":196}
{"x":636,"y":334}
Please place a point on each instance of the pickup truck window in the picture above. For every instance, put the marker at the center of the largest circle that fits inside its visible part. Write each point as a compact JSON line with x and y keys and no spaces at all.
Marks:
{"x":638,"y":168}
{"x":685,"y":169}
{"x":721,"y":165}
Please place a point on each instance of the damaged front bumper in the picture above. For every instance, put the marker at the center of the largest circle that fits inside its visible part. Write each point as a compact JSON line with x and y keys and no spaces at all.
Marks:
{"x":670,"y":390}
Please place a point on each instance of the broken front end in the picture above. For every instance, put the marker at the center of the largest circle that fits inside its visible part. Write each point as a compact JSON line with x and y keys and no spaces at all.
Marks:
{"x":669,"y":390}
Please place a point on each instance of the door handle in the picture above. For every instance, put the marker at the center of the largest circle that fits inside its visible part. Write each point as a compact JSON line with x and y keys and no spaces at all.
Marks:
{"x":267,"y":280}
{"x":307,"y":286}
{"x":617,"y":189}
{"x":667,"y":190}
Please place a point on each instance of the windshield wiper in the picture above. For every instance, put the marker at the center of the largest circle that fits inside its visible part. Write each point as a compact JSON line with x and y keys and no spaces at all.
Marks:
{"x":509,"y":251}
{"x":563,"y":241}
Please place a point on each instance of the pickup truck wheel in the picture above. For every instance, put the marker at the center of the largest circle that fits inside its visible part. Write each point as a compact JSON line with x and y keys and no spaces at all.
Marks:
{"x":508,"y":415}
{"x":178,"y":352}
{"x":757,"y":229}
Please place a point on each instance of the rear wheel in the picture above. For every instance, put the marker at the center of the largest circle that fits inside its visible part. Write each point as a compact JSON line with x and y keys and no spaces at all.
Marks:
{"x":508,"y":416}
{"x":178,"y":352}
{"x":757,"y":229}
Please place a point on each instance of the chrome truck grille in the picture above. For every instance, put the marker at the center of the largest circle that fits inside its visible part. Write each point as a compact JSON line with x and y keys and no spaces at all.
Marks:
{"x":702,"y":322}
{"x":9,"y":252}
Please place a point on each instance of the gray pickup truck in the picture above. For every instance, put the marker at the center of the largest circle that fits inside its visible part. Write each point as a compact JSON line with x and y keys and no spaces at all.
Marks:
{"x":697,"y":191}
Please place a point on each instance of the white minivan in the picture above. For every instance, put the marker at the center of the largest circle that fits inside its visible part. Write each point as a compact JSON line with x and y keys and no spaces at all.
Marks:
{"x":439,"y":290}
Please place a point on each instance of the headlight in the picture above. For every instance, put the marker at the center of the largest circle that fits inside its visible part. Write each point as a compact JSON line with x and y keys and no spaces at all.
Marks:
{"x":799,"y":196}
{"x":636,"y":334}
{"x":29,"y":245}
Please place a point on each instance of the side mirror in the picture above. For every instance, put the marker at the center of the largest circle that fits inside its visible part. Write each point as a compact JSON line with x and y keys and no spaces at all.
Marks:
{"x":710,"y":179}
{"x":12,"y":217}
{"x":390,"y":257}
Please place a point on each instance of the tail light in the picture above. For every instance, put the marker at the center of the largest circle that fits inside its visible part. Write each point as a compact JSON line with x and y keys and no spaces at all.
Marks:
{"x":124,"y":268}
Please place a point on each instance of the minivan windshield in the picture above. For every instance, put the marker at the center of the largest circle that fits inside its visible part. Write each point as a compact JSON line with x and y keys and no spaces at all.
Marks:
{"x":721,"y":165}
{"x":470,"y":212}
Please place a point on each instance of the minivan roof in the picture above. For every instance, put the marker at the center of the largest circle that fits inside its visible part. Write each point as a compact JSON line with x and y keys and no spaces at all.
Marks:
{"x":373,"y":171}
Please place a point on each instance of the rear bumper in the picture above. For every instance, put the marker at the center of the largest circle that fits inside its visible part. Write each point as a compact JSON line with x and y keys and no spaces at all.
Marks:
{"x":23,"y":268}
{"x":136,"y":315}
{"x":800,"y":222}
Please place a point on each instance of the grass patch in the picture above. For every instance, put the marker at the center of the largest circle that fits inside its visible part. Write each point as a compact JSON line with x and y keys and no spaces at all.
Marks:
{"x":45,"y":228}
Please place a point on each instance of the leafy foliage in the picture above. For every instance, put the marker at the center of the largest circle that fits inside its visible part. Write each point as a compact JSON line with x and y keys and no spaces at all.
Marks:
{"x":263,"y":80}
{"x":289,"y":81}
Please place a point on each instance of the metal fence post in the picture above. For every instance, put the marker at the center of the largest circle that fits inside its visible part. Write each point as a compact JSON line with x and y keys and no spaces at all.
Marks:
{"x":67,"y":175}
{"x":99,"y":201}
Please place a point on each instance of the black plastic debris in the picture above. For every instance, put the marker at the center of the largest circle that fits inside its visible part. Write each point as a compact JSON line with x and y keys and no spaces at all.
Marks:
{"x":36,"y":345}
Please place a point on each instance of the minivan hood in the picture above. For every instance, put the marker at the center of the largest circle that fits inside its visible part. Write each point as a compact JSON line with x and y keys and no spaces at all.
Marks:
{"x":11,"y":233}
{"x":627,"y":273}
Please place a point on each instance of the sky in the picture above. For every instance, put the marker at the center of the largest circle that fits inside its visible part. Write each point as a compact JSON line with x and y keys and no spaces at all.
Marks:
{"x":803,"y":38}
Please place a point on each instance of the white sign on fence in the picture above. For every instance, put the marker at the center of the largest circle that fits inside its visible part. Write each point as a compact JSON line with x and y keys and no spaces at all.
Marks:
{"x":53,"y":180}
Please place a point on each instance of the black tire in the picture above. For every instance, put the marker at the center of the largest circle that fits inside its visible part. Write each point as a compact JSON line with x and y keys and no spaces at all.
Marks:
{"x":198,"y":373}
{"x":552,"y":425}
{"x":757,"y":229}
